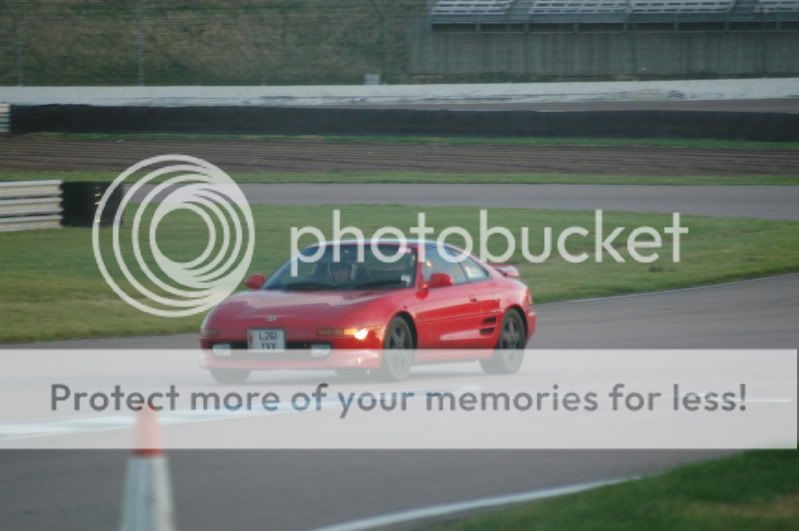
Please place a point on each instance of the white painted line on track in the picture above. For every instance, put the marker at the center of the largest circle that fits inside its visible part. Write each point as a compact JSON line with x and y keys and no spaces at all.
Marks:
{"x":459,"y":507}
{"x":35,"y":428}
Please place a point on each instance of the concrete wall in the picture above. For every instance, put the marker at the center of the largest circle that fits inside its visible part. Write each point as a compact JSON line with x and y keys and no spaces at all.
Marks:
{"x":588,"y":54}
{"x":718,"y":89}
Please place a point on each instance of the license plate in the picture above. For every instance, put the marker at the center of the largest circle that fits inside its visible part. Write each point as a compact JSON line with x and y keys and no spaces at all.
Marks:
{"x":266,"y":339}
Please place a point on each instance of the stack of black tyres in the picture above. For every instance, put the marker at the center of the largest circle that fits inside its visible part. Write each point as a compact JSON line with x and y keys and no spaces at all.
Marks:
{"x":79,"y":202}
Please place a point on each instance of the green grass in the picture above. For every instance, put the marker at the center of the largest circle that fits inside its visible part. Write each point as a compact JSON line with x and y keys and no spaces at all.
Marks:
{"x":677,"y":143}
{"x":437,"y":177}
{"x":752,"y":491}
{"x":51,"y":287}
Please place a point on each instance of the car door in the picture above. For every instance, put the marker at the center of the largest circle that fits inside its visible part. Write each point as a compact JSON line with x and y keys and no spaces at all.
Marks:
{"x":490,"y":309}
{"x":447,"y":316}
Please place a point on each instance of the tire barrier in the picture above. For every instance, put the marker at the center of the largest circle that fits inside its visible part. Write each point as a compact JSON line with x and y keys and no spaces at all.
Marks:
{"x":350,"y":121}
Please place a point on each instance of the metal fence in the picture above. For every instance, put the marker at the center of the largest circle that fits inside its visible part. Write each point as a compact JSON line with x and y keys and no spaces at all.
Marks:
{"x":5,"y":118}
{"x":562,"y":55}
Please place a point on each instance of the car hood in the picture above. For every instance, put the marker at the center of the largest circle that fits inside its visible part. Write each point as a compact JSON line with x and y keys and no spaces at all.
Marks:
{"x":307,"y":304}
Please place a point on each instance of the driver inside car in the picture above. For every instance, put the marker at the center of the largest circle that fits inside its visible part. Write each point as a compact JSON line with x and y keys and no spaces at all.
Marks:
{"x":341,"y":272}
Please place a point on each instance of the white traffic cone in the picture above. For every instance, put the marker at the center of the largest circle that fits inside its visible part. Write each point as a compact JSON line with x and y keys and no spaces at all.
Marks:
{"x":147,"y":503}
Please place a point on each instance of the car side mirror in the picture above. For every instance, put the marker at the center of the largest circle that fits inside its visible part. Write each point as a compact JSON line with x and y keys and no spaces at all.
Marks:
{"x":255,"y":281}
{"x":440,"y":280}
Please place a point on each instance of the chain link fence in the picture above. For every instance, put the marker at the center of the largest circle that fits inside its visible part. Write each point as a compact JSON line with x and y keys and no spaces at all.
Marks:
{"x":612,"y":54}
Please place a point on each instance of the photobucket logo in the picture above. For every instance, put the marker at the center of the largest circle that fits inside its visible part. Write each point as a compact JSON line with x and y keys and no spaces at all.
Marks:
{"x":642,"y":243}
{"x":153,"y":282}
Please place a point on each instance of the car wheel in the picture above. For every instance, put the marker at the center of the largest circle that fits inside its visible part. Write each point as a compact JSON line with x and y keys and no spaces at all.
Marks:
{"x":509,"y":354}
{"x":230,"y":376}
{"x":397,"y":356}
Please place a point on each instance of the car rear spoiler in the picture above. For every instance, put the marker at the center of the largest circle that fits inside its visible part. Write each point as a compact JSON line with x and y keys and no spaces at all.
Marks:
{"x":506,"y":270}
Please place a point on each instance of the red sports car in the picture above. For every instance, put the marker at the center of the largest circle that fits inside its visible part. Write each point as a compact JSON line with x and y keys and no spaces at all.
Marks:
{"x":363,"y":314}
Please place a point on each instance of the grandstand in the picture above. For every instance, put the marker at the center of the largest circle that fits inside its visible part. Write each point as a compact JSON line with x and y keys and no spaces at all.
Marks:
{"x":471,"y":7}
{"x":446,"y":12}
{"x":560,"y":7}
{"x":777,"y":6}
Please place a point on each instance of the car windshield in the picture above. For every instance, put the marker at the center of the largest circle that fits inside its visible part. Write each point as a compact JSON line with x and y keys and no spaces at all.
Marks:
{"x":347,"y":272}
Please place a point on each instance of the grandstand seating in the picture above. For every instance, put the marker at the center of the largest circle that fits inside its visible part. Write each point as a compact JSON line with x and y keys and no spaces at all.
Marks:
{"x":776,"y":6}
{"x":471,"y":7}
{"x":682,"y":6}
{"x":563,"y":7}
{"x":587,"y":11}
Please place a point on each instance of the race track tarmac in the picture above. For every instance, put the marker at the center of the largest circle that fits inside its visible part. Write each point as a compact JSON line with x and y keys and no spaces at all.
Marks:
{"x":304,"y":489}
{"x":766,"y":202}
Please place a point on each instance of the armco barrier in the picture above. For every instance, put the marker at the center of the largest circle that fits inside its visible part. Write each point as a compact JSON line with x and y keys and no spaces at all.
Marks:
{"x":4,"y":118}
{"x":26,"y":205}
{"x":350,"y":121}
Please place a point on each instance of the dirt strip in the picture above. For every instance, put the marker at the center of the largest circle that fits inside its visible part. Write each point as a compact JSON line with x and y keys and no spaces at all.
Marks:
{"x":36,"y":153}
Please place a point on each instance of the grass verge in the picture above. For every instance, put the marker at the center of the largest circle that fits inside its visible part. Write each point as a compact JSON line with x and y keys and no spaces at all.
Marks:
{"x":51,"y":287}
{"x":752,"y":491}
{"x":374,"y":177}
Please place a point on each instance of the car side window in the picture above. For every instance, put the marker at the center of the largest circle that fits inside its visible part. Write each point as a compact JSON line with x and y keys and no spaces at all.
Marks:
{"x":435,"y":263}
{"x":473,"y":270}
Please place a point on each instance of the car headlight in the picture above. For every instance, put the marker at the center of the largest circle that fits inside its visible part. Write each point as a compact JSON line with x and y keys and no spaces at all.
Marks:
{"x":358,"y":333}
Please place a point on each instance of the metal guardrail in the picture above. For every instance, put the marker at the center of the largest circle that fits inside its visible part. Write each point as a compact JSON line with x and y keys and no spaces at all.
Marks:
{"x":27,"y":205}
{"x":5,"y":118}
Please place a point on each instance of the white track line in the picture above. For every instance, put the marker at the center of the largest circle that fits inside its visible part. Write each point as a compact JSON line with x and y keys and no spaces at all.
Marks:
{"x":35,"y":428}
{"x":459,"y":507}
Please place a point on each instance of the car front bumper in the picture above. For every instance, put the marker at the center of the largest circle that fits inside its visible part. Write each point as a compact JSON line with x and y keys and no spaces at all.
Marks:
{"x":293,"y":360}
{"x":531,"y":322}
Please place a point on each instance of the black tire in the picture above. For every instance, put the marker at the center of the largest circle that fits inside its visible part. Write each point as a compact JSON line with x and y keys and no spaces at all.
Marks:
{"x":230,"y":376}
{"x":397,"y":356}
{"x":509,"y":353}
